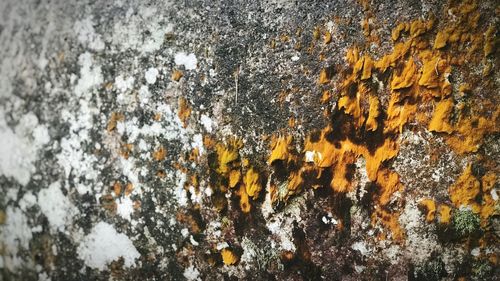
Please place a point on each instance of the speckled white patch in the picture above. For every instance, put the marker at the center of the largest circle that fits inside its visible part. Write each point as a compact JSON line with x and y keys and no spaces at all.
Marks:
{"x":104,"y":245}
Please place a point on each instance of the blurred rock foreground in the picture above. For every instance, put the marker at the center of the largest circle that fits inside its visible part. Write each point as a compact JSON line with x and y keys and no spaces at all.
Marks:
{"x":249,"y":140}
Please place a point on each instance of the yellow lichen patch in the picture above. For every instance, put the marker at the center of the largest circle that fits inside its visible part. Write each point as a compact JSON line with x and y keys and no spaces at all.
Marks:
{"x":465,"y":189}
{"x":367,"y":68}
{"x":419,"y":27}
{"x":228,"y":257}
{"x":184,"y":111}
{"x":115,"y":118}
{"x":396,"y":32}
{"x":489,"y":208}
{"x":488,"y":181}
{"x":444,"y":214}
{"x":441,"y":116}
{"x":327,"y":38}
{"x":373,"y":113}
{"x":244,"y":200}
{"x":400,"y":50}
{"x":227,"y":155}
{"x":294,"y":182}
{"x":324,"y":78}
{"x":389,"y":183}
{"x":177,"y":75}
{"x":489,"y":41}
{"x":406,"y":78}
{"x":252,"y":183}
{"x":441,"y":38}
{"x":470,"y":132}
{"x":351,"y":106}
{"x":430,"y":208}
{"x":398,"y":114}
{"x":279,"y":148}
{"x":160,"y":154}
{"x":352,"y":55}
{"x":340,"y":181}
{"x":234,"y":178}
{"x":389,"y":221}
{"x":373,"y":161}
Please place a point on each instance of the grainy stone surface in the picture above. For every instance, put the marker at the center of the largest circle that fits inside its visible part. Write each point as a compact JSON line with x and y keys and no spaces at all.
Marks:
{"x":115,"y":116}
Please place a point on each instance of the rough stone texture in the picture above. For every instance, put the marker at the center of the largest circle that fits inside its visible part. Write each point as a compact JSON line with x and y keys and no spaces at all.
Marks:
{"x":99,"y":144}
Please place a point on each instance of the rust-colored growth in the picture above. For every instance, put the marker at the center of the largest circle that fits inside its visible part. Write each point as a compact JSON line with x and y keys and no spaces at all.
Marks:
{"x":184,"y":111}
{"x":160,"y":154}
{"x":430,"y":208}
{"x":373,"y":114}
{"x":107,"y":202}
{"x":161,"y":173}
{"x":126,"y":149}
{"x":157,"y":116}
{"x":117,"y":188}
{"x":177,"y":75}
{"x":229,"y":257}
{"x":129,"y":188}
{"x":190,"y":221}
{"x":115,"y":118}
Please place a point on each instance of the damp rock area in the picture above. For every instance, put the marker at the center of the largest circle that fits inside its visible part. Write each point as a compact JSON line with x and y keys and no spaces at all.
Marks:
{"x":249,"y":140}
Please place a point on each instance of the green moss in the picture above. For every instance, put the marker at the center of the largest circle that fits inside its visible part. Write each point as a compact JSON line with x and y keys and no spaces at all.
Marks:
{"x":465,"y":222}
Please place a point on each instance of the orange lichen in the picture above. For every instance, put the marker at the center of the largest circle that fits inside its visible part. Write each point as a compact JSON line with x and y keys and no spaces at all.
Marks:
{"x":177,"y":75}
{"x":228,"y":257}
{"x":465,"y":189}
{"x":117,"y":188}
{"x":226,"y":155}
{"x":244,"y":200}
{"x":324,"y":78}
{"x":341,"y":181}
{"x":430,"y":207}
{"x":389,"y":221}
{"x":396,"y":32}
{"x":113,"y":121}
{"x":444,"y":214}
{"x":470,"y":132}
{"x":441,"y":38}
{"x":489,"y":41}
{"x":406,"y":78}
{"x":441,"y":116}
{"x":367,"y":68}
{"x":160,"y":154}
{"x":234,"y":178}
{"x":328,"y":37}
{"x":184,"y":111}
{"x":373,"y":113}
{"x":389,"y":183}
{"x":419,"y":27}
{"x":252,"y":183}
{"x":279,"y":148}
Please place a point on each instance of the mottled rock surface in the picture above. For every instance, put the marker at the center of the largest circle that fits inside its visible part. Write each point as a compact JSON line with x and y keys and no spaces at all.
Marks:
{"x":249,"y":140}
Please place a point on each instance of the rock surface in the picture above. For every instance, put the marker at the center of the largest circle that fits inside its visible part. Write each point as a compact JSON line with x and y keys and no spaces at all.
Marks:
{"x":252,"y":140}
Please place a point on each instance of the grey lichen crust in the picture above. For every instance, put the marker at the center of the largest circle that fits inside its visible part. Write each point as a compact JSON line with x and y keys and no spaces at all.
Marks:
{"x":102,"y":103}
